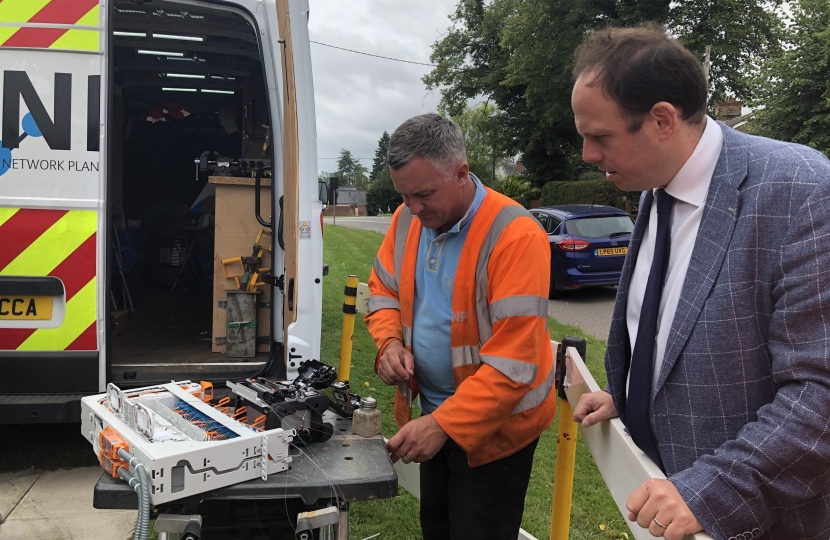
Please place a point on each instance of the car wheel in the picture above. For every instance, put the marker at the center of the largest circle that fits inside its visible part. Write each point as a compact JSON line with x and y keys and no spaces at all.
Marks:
{"x":553,"y":293}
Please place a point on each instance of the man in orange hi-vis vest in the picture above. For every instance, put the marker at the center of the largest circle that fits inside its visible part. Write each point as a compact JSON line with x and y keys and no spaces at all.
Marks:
{"x":458,"y":310}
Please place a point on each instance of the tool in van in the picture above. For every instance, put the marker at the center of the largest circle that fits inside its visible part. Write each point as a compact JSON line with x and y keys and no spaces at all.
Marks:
{"x":245,"y":271}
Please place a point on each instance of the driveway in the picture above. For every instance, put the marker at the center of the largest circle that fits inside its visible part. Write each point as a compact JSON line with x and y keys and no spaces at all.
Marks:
{"x":590,"y":309}
{"x":378,"y":224}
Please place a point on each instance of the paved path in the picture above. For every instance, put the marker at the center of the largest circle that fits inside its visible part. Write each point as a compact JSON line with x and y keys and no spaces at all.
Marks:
{"x":57,"y":505}
{"x":376,"y":224}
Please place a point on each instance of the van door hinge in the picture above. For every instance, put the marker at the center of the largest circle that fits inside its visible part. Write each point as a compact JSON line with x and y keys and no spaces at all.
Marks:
{"x":278,"y":282}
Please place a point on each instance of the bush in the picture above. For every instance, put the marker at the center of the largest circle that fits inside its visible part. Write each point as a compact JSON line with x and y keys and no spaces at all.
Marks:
{"x":530,"y":195}
{"x":586,"y":192}
{"x":592,"y":175}
{"x":513,"y":187}
{"x":381,"y":196}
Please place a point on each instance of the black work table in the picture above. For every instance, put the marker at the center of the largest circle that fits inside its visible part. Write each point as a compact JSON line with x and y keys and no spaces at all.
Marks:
{"x":359,"y":468}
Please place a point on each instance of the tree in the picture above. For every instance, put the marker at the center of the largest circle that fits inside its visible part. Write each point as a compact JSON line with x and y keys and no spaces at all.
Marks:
{"x":794,"y":86}
{"x":323,"y":176}
{"x":518,"y":54}
{"x":485,"y":150}
{"x":381,"y":196}
{"x":381,"y":161}
{"x":351,"y":172}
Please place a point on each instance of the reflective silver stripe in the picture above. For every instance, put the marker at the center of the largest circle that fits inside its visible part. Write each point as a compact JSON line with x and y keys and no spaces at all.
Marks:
{"x":401,"y":233}
{"x":386,"y":278}
{"x":537,"y":396}
{"x":465,"y":355}
{"x":504,"y":218}
{"x":516,"y":371}
{"x":382,"y":302}
{"x":518,"y":306}
{"x":407,"y":335}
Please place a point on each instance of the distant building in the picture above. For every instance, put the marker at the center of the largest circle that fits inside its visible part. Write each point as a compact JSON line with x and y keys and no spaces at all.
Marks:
{"x":730,"y":112}
{"x":350,"y":202}
{"x":350,"y":195}
{"x":510,"y":169}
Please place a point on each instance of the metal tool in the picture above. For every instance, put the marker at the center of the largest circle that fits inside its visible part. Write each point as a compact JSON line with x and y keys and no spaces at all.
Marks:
{"x":247,"y":273}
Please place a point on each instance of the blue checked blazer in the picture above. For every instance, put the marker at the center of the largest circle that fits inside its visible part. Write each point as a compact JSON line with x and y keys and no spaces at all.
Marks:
{"x":742,"y":403}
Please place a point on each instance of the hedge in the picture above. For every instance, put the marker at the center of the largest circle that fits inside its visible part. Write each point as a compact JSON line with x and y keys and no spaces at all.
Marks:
{"x":381,"y":196}
{"x":586,"y":192}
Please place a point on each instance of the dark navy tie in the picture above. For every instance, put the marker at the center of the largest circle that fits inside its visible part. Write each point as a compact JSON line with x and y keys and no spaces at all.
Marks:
{"x":642,"y":358}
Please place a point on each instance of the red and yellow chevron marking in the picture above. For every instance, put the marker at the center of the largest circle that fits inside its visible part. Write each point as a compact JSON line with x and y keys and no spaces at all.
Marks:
{"x":69,"y":12}
{"x":58,"y":243}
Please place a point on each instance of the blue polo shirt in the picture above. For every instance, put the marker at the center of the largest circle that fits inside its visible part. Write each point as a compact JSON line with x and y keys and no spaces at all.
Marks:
{"x":438,"y":256}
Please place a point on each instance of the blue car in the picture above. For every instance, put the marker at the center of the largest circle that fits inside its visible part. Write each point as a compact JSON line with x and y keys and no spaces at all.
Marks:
{"x":588,"y":244}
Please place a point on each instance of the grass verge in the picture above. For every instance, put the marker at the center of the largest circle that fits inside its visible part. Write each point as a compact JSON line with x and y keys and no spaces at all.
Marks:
{"x":350,"y":251}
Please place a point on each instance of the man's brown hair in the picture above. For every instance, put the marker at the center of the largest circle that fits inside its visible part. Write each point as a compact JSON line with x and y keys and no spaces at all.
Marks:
{"x":638,"y":67}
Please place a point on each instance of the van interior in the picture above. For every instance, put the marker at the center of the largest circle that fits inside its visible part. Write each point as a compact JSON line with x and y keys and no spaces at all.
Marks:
{"x":188,"y":105}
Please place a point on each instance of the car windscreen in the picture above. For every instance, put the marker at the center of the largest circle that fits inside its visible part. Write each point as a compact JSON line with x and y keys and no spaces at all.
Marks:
{"x":601,"y":226}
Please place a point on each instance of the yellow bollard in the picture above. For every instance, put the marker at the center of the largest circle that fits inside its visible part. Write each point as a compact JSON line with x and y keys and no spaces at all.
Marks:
{"x":560,"y":518}
{"x":347,"y":333}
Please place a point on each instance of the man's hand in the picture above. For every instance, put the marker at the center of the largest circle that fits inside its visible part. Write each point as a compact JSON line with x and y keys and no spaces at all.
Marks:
{"x":594,"y":407}
{"x":417,"y":441}
{"x":396,"y":364}
{"x":658,"y":507}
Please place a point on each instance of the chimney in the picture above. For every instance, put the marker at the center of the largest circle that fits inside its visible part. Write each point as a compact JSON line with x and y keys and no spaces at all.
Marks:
{"x":727,"y":110}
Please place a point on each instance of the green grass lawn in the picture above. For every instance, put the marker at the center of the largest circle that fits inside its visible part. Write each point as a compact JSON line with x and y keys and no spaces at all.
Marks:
{"x":350,"y":251}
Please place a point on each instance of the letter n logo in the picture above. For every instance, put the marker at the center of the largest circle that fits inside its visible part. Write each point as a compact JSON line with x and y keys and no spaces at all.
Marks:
{"x":57,"y":133}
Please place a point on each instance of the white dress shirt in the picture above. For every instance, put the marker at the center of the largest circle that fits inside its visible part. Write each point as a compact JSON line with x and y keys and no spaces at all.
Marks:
{"x":689,"y":188}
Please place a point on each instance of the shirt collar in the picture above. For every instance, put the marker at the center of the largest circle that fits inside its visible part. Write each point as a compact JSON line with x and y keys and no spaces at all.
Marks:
{"x":474,"y":206}
{"x":691,"y":183}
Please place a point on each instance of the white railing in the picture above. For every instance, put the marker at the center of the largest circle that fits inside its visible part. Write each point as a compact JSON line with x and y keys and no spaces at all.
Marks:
{"x":623,"y":466}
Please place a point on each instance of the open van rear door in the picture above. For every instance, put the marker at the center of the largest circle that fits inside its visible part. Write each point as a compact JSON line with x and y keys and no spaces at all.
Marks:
{"x":302,"y":228}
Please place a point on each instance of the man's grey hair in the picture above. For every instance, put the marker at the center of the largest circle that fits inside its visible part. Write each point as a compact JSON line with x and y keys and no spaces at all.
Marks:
{"x":429,"y":136}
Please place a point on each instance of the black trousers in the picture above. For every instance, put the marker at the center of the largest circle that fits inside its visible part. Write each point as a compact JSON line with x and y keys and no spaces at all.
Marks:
{"x":459,"y":502}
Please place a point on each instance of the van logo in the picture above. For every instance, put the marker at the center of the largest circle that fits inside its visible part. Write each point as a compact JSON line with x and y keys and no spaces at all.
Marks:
{"x":613,"y":243}
{"x":56,"y":131}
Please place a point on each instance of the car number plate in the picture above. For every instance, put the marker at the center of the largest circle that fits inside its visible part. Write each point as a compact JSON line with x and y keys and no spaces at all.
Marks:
{"x":612,"y":251}
{"x":25,"y":308}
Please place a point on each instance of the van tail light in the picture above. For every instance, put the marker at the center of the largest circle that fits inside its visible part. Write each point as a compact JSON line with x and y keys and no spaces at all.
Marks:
{"x":572,"y":244}
{"x":321,"y":224}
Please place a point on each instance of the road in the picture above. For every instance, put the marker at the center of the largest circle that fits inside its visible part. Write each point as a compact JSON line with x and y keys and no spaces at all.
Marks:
{"x":375,"y":224}
{"x":590,"y":309}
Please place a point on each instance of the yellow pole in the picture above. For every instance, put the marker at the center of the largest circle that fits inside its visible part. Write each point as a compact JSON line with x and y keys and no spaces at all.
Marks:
{"x":347,"y":334}
{"x":563,"y":484}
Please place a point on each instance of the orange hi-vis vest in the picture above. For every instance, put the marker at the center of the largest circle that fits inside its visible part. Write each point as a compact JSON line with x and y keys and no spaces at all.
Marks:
{"x":501,"y":355}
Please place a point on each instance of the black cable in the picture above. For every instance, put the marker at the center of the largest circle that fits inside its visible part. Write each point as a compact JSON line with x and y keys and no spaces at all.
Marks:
{"x":374,"y":55}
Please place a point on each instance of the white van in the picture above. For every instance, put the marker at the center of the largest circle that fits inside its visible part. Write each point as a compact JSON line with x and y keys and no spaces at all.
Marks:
{"x":132,"y":133}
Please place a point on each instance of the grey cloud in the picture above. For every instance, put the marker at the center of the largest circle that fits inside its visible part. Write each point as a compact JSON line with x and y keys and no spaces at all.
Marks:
{"x":358,"y":97}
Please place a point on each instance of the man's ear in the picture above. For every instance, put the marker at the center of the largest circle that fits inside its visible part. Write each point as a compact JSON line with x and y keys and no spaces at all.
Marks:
{"x":462,"y":172}
{"x":664,"y":118}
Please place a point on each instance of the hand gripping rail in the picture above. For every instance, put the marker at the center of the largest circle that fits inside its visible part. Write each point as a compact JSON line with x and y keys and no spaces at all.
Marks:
{"x":623,"y":466}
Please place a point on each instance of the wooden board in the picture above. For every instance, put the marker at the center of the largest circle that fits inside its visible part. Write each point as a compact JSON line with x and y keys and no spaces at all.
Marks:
{"x":239,"y":181}
{"x":291,"y":164}
{"x":236,"y":230}
{"x":623,"y":466}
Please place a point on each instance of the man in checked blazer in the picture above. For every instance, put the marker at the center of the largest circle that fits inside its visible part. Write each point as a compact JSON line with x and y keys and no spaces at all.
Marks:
{"x":738,"y":413}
